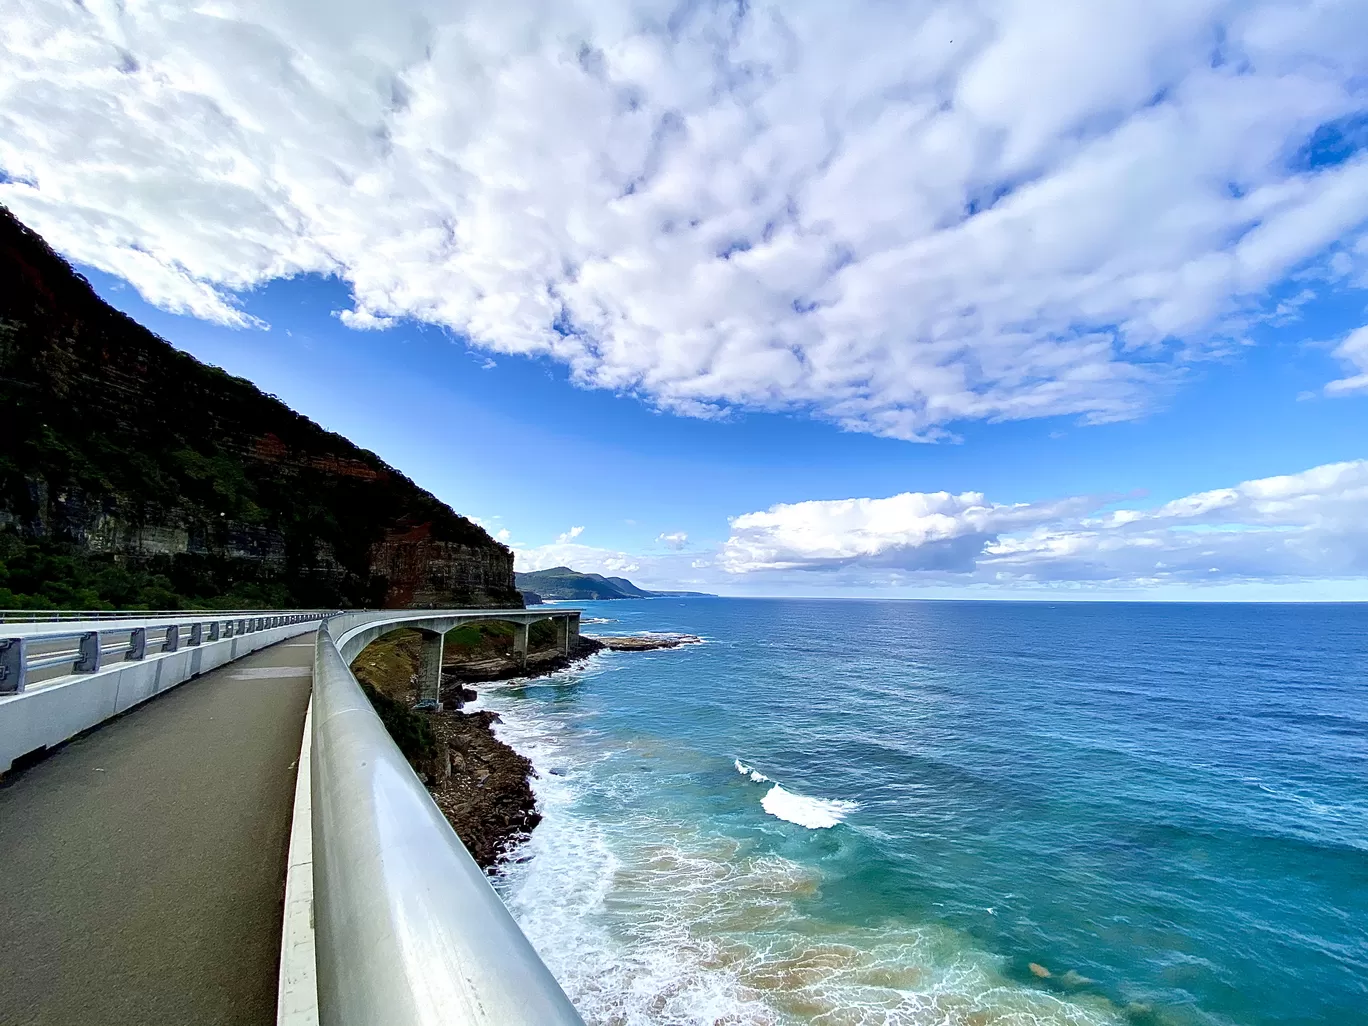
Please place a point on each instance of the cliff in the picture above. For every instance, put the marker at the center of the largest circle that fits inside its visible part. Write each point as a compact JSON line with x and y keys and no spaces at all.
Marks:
{"x":133,"y":475}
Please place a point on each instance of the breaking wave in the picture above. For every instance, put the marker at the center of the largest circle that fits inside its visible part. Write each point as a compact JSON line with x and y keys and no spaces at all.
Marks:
{"x":813,"y":813}
{"x":747,"y":771}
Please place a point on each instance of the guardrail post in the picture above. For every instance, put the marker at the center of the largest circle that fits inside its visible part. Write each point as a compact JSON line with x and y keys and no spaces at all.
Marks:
{"x":13,"y":666}
{"x":214,"y":631}
{"x":137,"y":644}
{"x":196,"y":634}
{"x":88,"y":660}
{"x":172,"y":642}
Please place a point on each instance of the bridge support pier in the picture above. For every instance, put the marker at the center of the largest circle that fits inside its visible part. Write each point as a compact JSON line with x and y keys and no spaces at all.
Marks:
{"x":430,"y":669}
{"x":520,"y":643}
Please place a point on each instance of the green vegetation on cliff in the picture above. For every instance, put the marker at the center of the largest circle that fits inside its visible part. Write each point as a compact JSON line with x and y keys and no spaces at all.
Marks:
{"x":132,"y":475}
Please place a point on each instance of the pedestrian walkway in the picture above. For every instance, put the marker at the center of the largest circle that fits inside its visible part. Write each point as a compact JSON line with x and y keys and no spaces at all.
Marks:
{"x":142,"y":866}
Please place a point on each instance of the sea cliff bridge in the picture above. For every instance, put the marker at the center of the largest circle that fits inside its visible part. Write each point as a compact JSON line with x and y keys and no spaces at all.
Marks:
{"x":193,"y":862}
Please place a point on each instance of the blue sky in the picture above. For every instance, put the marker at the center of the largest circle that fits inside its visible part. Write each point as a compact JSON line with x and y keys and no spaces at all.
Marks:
{"x":1023,"y":300}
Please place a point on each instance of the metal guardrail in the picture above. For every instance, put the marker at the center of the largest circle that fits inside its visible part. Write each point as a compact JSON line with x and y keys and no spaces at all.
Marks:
{"x":66,"y":615}
{"x":24,"y":657}
{"x":409,"y":931}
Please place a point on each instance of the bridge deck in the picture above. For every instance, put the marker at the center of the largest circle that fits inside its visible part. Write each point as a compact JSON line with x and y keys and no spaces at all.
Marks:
{"x":142,"y":867}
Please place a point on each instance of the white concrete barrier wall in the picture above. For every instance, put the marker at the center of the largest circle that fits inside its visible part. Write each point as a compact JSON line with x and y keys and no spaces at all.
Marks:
{"x":55,"y":712}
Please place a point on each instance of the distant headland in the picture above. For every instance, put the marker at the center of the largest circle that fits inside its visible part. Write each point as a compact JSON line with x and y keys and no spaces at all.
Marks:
{"x":563,"y":583}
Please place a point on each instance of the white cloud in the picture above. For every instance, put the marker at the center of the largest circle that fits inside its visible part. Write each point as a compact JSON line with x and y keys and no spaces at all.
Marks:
{"x":569,"y":535}
{"x":1354,"y":352}
{"x":1311,"y":525}
{"x":895,"y":216}
{"x":914,"y":530}
{"x":585,"y":558}
{"x":503,"y":535}
{"x":675,"y":540}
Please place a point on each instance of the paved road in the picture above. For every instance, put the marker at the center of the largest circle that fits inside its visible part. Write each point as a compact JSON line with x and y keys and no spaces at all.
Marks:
{"x":142,"y":867}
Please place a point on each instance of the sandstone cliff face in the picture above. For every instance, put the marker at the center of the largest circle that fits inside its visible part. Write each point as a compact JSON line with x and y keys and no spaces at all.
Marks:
{"x":118,"y":451}
{"x":421,"y":571}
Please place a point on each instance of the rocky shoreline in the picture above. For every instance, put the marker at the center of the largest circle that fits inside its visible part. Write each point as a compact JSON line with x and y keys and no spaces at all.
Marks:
{"x":644,"y":642}
{"x":504,"y":667}
{"x":482,"y":786}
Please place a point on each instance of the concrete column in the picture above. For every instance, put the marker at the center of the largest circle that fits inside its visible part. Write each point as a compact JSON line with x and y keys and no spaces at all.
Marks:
{"x":430,"y":670}
{"x":563,"y":634}
{"x":520,"y":643}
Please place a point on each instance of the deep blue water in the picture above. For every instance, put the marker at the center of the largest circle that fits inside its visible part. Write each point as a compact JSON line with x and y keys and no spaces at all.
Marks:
{"x":1164,"y":807}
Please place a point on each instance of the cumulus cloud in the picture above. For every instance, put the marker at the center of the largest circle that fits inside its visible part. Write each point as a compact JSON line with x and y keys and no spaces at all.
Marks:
{"x":892,"y":216}
{"x":569,"y":535}
{"x":1310,"y":525}
{"x":1354,"y":352}
{"x":675,"y":540}
{"x":586,"y":559}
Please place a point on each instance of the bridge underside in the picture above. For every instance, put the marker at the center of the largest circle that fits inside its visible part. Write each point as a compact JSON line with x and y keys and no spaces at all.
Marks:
{"x":142,"y":866}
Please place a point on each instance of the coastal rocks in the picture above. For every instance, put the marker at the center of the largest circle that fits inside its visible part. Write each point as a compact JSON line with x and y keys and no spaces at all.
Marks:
{"x":482,"y":786}
{"x":506,"y":667}
{"x":645,"y":642}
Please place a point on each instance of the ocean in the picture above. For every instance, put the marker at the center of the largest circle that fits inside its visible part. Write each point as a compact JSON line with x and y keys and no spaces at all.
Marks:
{"x":978,"y":813}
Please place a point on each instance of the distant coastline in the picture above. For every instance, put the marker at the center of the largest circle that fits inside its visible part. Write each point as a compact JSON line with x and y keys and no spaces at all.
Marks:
{"x":563,"y":584}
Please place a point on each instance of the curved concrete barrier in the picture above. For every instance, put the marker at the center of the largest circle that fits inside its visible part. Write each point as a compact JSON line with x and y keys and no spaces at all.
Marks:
{"x":409,"y":931}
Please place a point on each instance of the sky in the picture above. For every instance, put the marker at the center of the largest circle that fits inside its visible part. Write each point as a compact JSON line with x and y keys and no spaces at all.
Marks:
{"x":975,"y":299}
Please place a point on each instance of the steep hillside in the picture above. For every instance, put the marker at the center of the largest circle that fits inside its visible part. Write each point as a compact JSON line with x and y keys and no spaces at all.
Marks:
{"x":133,"y":475}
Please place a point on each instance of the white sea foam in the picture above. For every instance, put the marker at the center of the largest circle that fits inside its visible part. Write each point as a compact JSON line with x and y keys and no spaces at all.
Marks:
{"x":813,"y":813}
{"x":747,"y":771}
{"x":649,"y":918}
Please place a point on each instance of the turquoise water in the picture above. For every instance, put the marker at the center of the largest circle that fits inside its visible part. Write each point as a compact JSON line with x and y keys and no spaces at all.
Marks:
{"x":1163,"y":807}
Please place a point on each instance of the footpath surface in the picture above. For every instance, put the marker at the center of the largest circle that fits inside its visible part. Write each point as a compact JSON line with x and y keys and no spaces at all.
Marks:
{"x":142,"y":867}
